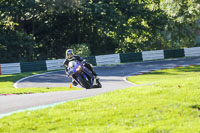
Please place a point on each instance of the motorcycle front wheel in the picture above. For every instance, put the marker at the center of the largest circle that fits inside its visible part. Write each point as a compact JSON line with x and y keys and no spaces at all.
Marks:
{"x":84,"y":83}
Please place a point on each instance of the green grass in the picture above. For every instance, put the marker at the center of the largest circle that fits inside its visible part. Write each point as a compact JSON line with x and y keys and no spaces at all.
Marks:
{"x":171,"y":105}
{"x":7,"y":81}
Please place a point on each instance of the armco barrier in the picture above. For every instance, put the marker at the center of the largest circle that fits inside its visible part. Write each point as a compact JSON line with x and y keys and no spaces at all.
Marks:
{"x":33,"y":66}
{"x":107,"y":59}
{"x":12,"y":68}
{"x":130,"y":57}
{"x":177,"y":53}
{"x":54,"y":64}
{"x":0,"y":69}
{"x":91,"y":60}
{"x":153,"y":55}
{"x":195,"y":51}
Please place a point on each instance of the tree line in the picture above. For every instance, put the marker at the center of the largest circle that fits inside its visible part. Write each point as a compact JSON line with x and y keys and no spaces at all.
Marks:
{"x":43,"y":29}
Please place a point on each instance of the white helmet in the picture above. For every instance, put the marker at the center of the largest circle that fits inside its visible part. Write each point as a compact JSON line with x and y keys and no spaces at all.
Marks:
{"x":69,"y":53}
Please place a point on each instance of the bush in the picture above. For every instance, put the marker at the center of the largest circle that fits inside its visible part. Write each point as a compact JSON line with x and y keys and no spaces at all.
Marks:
{"x":81,"y":50}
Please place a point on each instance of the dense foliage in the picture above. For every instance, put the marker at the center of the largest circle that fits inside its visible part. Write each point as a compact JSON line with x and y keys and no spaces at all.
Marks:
{"x":43,"y":29}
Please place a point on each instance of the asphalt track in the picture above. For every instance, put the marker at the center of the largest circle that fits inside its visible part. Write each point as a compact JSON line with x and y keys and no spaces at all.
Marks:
{"x":112,"y":78}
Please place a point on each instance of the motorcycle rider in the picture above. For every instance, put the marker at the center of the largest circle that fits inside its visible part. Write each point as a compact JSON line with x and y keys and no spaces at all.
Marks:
{"x":70,"y":57}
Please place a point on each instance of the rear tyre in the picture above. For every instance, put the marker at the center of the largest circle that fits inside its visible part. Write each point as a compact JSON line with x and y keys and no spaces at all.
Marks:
{"x":98,"y":84}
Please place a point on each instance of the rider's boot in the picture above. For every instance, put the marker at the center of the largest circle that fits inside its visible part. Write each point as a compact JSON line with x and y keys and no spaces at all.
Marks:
{"x":95,"y":74}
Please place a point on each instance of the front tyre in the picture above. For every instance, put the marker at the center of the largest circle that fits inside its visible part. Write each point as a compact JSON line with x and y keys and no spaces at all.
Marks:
{"x":83,"y":82}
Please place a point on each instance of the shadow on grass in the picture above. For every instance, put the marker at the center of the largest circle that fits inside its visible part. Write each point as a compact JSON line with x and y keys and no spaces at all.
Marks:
{"x":161,"y":73}
{"x":196,"y":106}
{"x":189,"y":69}
{"x":176,"y":70}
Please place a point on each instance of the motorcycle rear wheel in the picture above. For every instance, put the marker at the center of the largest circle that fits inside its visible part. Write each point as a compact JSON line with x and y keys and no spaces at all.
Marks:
{"x":98,"y":85}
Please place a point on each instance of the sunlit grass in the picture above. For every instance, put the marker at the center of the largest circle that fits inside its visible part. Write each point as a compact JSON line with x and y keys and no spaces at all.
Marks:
{"x":171,"y":105}
{"x":7,"y":81}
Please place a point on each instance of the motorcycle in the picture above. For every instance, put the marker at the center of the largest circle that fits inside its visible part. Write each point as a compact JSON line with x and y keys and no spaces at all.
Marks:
{"x":82,"y":75}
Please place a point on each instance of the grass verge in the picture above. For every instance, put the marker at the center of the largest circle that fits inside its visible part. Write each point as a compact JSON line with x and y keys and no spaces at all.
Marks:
{"x":171,"y":105}
{"x":7,"y":81}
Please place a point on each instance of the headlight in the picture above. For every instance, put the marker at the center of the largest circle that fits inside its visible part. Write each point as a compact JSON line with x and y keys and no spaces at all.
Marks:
{"x":79,"y":69}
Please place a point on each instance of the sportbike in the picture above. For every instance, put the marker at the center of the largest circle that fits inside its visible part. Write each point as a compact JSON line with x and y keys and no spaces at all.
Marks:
{"x":82,"y":75}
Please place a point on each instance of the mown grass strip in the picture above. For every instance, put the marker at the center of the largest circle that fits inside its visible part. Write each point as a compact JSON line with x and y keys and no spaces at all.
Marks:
{"x":171,"y":105}
{"x":7,"y":81}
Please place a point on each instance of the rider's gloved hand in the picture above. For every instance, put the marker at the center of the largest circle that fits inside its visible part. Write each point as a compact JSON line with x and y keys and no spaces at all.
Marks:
{"x":83,"y":62}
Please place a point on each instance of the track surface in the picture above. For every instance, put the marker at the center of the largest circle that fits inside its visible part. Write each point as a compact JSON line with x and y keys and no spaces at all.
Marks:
{"x":112,"y":78}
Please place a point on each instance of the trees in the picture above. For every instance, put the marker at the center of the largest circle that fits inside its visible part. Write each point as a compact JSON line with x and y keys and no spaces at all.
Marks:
{"x":130,"y":26}
{"x":16,"y":45}
{"x":31,"y":26}
{"x":182,"y":21}
{"x":43,"y":29}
